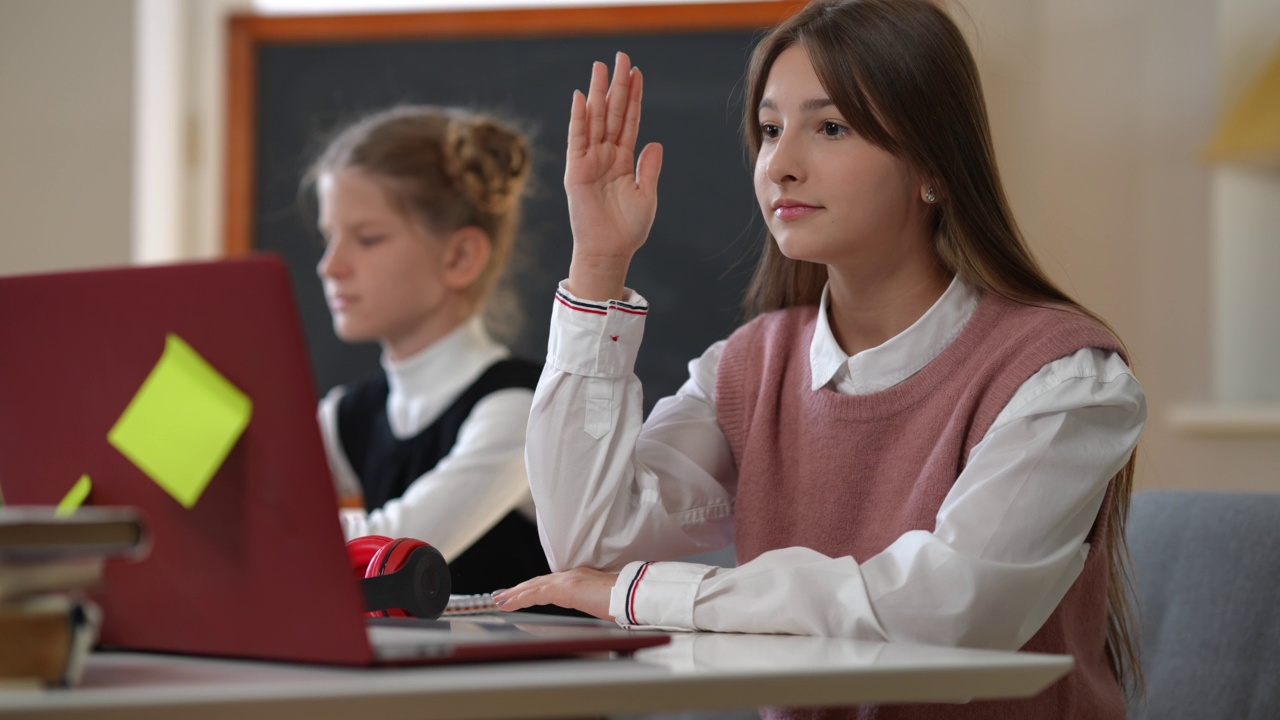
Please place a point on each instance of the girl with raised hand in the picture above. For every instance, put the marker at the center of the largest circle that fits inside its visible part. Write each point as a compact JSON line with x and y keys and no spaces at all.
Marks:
{"x":917,"y":437}
{"x":419,"y":208}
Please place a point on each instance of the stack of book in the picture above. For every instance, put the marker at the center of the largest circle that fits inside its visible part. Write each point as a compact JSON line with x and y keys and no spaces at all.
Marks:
{"x":48,"y":562}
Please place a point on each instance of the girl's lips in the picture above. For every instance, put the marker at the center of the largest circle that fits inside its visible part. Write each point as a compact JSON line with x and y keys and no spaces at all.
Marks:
{"x":794,"y":212}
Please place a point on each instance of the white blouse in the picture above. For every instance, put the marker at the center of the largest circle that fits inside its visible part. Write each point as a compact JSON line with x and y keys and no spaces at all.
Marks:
{"x":614,"y":491}
{"x":479,"y":481}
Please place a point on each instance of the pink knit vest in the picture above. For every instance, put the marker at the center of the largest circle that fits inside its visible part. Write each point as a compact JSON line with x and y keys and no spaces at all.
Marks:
{"x":849,"y":474}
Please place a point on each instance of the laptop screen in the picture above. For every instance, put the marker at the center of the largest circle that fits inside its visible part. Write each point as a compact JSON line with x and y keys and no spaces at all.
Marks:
{"x":185,"y":391}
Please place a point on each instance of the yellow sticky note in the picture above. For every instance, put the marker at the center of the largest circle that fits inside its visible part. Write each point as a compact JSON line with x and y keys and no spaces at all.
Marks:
{"x":183,"y":421}
{"x":74,"y":497}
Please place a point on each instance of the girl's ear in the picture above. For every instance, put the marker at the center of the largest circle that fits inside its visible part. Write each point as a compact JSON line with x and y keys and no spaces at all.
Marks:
{"x":466,"y":257}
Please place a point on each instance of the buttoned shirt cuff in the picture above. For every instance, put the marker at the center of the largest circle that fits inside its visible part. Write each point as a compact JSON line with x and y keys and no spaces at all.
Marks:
{"x":596,"y":339}
{"x":657,"y":595}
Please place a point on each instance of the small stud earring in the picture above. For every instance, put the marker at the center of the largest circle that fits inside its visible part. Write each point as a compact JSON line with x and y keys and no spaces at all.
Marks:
{"x":929,"y":197}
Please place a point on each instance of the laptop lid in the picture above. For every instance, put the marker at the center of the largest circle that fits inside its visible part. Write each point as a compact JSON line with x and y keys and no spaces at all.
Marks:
{"x":256,"y":564}
{"x":185,"y":391}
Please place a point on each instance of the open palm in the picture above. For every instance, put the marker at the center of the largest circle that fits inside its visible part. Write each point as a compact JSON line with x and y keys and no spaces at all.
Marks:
{"x":612,"y":197}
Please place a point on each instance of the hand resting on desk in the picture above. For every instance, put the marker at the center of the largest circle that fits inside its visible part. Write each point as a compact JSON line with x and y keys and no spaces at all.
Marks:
{"x":581,"y":589}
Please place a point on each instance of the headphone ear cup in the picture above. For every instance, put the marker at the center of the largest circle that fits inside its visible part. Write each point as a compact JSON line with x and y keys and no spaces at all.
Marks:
{"x":428,"y":582}
{"x":407,"y":578}
{"x":385,"y":562}
{"x":362,"y":549}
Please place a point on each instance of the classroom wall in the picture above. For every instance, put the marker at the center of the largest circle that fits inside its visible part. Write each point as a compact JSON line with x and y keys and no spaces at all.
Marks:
{"x":1100,"y":110}
{"x":66,"y":93}
{"x":1246,"y":223}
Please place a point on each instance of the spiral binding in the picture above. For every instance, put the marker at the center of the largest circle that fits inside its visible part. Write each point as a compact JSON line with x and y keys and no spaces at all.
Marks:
{"x":470,"y":604}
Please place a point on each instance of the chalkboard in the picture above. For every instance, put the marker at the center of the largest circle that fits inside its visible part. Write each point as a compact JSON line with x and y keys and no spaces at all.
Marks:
{"x":704,"y":242}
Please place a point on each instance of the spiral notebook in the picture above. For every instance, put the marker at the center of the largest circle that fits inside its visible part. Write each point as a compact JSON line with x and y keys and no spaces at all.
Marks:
{"x":252,"y":564}
{"x":471,"y":604}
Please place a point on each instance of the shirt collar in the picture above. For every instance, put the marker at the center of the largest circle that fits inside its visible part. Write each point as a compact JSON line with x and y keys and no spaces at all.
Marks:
{"x":421,"y":384}
{"x":898,"y":358}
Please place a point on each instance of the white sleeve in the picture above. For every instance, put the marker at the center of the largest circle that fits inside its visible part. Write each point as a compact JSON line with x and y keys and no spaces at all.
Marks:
{"x":473,"y":487}
{"x":1008,"y":543}
{"x":609,"y":487}
{"x":345,"y":480}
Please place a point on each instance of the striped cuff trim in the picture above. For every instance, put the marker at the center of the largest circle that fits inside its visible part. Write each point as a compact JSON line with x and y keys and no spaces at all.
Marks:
{"x":628,"y":307}
{"x":598,"y":308}
{"x":631,"y":593}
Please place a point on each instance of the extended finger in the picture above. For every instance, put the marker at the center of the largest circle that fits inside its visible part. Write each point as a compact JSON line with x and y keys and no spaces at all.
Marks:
{"x":618,"y":98}
{"x":649,"y":167}
{"x":514,"y":599}
{"x":525,"y":594}
{"x":578,"y":124}
{"x":596,"y":102}
{"x":631,"y":122}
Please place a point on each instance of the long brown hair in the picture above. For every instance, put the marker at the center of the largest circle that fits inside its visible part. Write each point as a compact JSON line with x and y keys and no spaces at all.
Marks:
{"x":447,"y":168}
{"x":901,"y":74}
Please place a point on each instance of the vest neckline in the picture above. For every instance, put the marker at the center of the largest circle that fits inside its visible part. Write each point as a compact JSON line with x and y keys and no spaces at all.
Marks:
{"x":913,"y":390}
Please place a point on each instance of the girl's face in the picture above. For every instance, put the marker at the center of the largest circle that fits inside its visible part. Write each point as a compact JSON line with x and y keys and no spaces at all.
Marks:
{"x":828,"y":195}
{"x":382,"y":271}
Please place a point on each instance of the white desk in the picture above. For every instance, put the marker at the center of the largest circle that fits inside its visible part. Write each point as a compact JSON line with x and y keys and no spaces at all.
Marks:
{"x":694,"y":672}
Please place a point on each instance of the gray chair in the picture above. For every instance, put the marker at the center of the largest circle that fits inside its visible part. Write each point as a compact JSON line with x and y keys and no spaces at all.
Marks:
{"x":1207,"y":576}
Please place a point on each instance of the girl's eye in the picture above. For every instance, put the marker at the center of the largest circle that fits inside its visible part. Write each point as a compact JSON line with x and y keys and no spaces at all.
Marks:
{"x":769,"y":131}
{"x":369,"y":240}
{"x":833,"y":129}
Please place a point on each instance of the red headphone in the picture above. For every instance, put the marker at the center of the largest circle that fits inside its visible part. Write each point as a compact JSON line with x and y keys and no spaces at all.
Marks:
{"x":400,"y":578}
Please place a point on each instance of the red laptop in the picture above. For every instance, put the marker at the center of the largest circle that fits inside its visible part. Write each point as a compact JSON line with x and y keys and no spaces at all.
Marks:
{"x":252,"y":563}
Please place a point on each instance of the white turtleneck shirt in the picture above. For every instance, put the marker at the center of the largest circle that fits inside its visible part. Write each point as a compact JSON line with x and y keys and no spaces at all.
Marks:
{"x":479,"y":481}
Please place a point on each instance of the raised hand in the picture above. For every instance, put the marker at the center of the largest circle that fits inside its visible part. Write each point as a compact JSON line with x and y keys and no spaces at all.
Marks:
{"x":613,"y":197}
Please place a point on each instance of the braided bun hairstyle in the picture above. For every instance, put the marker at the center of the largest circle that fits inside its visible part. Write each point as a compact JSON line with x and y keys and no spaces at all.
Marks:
{"x":449,"y":168}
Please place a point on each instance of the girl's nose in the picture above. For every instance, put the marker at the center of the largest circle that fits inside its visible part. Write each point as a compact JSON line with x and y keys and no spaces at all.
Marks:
{"x":332,"y":263}
{"x":784,"y":162}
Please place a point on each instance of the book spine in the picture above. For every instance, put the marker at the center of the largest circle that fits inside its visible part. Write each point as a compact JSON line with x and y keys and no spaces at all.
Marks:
{"x":37,"y":645}
{"x":47,"y":639}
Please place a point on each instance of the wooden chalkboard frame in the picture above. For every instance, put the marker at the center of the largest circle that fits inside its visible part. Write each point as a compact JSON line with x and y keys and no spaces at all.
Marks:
{"x":247,"y":33}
